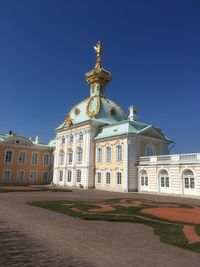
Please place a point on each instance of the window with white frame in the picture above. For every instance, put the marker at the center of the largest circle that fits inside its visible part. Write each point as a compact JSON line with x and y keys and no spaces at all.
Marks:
{"x":61,"y":157}
{"x":99,"y":154}
{"x":8,"y":156}
{"x":80,"y":136}
{"x":33,"y":176}
{"x":164,"y":178}
{"x":46,"y":159}
{"x":108,"y":154}
{"x":61,"y":175}
{"x":119,"y":178}
{"x":79,"y":154}
{"x":189,"y":181}
{"x":7,"y":175}
{"x":144,"y":178}
{"x":22,"y":157}
{"x":78,"y":176}
{"x":71,"y":138}
{"x":69,"y":156}
{"x":118,"y":153}
{"x":34,"y":159}
{"x":69,"y":175}
{"x":98,"y":177}
{"x":45,"y":176}
{"x":20,"y":176}
{"x":107,"y":177}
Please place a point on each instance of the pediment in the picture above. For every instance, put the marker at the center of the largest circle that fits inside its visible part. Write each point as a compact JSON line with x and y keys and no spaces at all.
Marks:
{"x":15,"y":140}
{"x":153,"y":133}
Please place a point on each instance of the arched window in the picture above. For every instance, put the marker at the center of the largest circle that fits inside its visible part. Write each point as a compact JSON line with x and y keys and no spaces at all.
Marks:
{"x":71,"y":138}
{"x":60,"y":175}
{"x":188,"y":180}
{"x":108,"y":154}
{"x":69,"y":155}
{"x":99,"y":154}
{"x":61,"y":157}
{"x":80,"y":136}
{"x":78,"y":176}
{"x":144,"y":180}
{"x":79,"y":154}
{"x":164,"y":179}
{"x":69,"y":176}
{"x":118,"y":153}
{"x":149,"y":150}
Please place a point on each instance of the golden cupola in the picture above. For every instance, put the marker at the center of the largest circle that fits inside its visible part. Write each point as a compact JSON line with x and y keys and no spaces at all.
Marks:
{"x":98,"y":78}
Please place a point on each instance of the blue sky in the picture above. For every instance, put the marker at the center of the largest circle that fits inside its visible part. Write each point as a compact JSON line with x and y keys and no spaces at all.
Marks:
{"x":152,"y":49}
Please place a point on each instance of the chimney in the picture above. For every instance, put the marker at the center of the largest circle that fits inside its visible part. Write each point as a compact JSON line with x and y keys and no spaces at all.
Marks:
{"x":132,"y":113}
{"x":37,"y":139}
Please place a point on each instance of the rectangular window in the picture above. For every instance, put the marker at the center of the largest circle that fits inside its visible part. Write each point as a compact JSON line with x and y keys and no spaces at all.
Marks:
{"x":98,"y":177}
{"x":187,"y":182}
{"x":192,"y":185}
{"x":45,"y":176}
{"x":33,"y":176}
{"x":7,"y":175}
{"x":119,"y":178}
{"x":162,"y":181}
{"x":46,"y":159}
{"x":146,"y":181}
{"x":69,"y":176}
{"x":78,"y":176}
{"x":167,"y":181}
{"x":142,"y":181}
{"x":8,"y":156}
{"x":20,"y":176}
{"x":34,"y":160}
{"x":108,"y":178}
{"x":22,"y":157}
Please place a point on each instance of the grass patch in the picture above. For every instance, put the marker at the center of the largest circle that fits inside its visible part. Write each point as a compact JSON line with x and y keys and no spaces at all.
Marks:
{"x":169,"y":232}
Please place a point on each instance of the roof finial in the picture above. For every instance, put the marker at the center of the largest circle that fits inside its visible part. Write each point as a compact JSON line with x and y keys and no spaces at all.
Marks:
{"x":98,"y":51}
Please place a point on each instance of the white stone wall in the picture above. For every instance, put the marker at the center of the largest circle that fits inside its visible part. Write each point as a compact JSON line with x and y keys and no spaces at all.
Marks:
{"x":86,"y":166}
{"x":175,"y":166}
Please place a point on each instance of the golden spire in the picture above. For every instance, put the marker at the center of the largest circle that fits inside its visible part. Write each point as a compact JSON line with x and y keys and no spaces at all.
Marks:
{"x":98,"y":51}
{"x":98,"y":77}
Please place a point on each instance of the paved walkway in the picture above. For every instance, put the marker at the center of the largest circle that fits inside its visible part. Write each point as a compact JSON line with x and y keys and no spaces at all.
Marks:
{"x":68,"y":241}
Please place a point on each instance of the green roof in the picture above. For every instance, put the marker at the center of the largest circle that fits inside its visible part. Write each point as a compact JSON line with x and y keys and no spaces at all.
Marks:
{"x":127,"y":127}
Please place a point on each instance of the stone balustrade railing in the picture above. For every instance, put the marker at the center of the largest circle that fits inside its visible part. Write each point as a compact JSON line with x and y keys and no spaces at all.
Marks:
{"x":178,"y":158}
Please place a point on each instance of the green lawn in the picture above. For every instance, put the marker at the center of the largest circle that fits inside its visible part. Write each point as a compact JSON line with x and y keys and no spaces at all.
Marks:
{"x":169,"y":232}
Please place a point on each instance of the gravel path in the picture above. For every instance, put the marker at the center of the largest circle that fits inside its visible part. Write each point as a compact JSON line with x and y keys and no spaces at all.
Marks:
{"x":31,"y":236}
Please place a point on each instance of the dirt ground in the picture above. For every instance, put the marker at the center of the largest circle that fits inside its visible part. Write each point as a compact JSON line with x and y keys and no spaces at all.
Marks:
{"x":67,"y":240}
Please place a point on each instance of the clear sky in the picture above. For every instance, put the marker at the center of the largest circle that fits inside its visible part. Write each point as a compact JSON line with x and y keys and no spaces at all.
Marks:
{"x":152,"y":49}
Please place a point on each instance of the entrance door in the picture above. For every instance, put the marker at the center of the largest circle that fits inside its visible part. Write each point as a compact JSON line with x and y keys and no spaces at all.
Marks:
{"x":164,"y":182}
{"x":189,"y":183}
{"x":144,"y":181}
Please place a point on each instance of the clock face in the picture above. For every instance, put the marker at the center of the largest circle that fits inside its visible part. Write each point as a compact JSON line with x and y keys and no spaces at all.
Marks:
{"x":94,"y":106}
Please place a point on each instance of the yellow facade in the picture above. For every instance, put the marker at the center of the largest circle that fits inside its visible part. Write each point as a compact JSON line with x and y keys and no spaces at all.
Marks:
{"x":42,"y":169}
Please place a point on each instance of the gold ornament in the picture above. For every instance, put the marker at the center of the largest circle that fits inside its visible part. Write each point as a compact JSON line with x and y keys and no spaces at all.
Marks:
{"x":68,"y":121}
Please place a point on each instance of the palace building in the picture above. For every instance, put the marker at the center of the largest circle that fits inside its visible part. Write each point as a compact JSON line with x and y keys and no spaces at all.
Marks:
{"x":25,"y":161}
{"x":98,"y":146}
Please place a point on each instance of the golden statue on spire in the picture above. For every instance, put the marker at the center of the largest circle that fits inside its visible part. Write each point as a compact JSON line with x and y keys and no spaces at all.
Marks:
{"x":98,"y":51}
{"x":98,"y":48}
